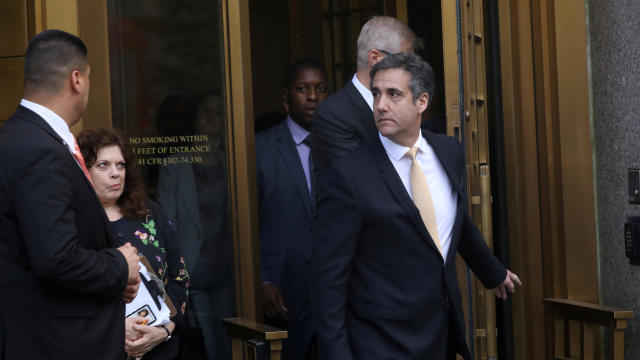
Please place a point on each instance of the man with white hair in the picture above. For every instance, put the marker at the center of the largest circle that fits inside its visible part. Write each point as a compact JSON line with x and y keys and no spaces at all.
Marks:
{"x":345,"y":119}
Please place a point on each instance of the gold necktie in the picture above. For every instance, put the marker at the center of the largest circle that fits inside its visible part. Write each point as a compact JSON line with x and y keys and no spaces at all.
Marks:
{"x":422,"y":197}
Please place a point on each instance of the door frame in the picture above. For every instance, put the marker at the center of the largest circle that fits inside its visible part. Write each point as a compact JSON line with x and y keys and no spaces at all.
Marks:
{"x":549,"y":170}
{"x":92,"y":28}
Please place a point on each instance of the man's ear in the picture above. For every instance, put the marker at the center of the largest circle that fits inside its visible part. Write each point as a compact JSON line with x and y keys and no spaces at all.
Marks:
{"x":75,"y":80}
{"x":285,"y":100}
{"x":422,"y":102}
{"x":374,"y":57}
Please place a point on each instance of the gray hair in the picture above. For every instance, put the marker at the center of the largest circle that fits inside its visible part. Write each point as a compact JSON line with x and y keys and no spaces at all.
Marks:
{"x":384,"y":33}
{"x":420,"y":72}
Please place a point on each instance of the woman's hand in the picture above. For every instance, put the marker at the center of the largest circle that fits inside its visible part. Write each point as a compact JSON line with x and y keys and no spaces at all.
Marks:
{"x":151,"y":337}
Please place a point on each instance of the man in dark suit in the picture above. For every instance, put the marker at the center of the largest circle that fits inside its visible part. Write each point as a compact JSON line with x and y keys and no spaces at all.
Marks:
{"x":391,"y":216}
{"x":286,"y":213}
{"x":62,"y":284}
{"x":345,"y":120}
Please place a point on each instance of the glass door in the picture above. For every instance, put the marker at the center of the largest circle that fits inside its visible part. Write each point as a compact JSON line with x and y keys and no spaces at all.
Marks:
{"x":166,"y":62}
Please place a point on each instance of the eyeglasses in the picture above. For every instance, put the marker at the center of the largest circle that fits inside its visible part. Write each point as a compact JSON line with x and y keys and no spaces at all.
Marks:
{"x":383,"y":51}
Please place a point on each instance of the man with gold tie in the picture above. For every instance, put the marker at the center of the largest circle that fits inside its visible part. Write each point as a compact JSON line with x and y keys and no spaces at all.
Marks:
{"x":390,"y":218}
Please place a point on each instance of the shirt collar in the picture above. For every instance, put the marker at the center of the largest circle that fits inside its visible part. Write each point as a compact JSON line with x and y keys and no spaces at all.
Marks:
{"x":397,"y":151}
{"x":54,"y":120}
{"x":297,"y":132}
{"x":363,"y":90}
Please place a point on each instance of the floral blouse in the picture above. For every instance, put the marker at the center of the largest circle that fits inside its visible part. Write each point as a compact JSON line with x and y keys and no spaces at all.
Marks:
{"x":155,"y":237}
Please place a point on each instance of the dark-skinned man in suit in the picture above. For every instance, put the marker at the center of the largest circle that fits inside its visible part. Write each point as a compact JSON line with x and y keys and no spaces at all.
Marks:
{"x":63,"y":285}
{"x":391,"y":216}
{"x":286,"y":209}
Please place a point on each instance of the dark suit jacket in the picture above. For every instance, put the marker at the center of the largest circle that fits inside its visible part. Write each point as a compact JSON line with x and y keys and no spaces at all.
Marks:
{"x":60,"y":280}
{"x":177,"y":194}
{"x":380,"y":288}
{"x":285,"y":230}
{"x":340,"y":124}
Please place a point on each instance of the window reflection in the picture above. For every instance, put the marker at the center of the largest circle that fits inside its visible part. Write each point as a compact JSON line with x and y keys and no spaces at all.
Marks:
{"x":167,"y":96}
{"x":195,"y":194}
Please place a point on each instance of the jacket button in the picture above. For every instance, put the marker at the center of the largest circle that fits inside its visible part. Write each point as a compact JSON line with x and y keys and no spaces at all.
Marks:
{"x":120,"y":234}
{"x":445,"y":303}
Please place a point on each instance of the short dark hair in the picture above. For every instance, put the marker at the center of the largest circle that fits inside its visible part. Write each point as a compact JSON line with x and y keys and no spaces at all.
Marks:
{"x":421,"y":73}
{"x":51,"y":56}
{"x":134,"y":201}
{"x":304,"y":63}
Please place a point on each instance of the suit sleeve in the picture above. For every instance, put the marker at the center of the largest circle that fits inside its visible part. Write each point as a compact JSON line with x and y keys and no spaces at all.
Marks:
{"x":478,"y":255}
{"x":335,"y":239}
{"x":333,"y":137}
{"x":473,"y":248}
{"x":47,"y":220}
{"x":267,"y":276}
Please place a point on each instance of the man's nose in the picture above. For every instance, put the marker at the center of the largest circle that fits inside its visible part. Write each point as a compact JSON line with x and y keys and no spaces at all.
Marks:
{"x":380,"y":104}
{"x":313,"y":94}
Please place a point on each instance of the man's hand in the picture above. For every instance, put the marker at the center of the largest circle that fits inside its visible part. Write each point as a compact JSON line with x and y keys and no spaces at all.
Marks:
{"x":151,"y":337}
{"x":509,"y":283}
{"x":130,"y":254}
{"x":130,"y":292}
{"x":274,"y":306}
{"x":130,"y":333}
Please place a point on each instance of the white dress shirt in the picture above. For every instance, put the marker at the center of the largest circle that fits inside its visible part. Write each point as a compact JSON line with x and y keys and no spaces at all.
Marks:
{"x":363,"y":90}
{"x":445,"y":199}
{"x":55,"y":121}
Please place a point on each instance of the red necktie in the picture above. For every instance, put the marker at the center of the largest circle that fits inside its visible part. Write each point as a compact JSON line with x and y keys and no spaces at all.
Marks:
{"x":78,"y":155}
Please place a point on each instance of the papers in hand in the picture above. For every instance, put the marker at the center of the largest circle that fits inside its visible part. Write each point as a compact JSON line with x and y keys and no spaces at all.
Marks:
{"x":144,"y":305}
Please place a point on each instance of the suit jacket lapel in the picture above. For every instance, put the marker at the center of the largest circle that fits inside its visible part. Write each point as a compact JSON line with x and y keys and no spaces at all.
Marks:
{"x":445,"y":160}
{"x":287,"y":149}
{"x":395,"y":185}
{"x":456,"y":230}
{"x":455,"y":178}
{"x":38,"y":121}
